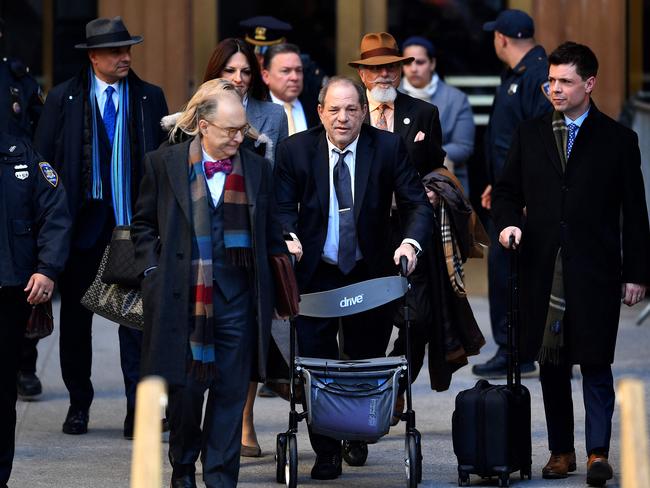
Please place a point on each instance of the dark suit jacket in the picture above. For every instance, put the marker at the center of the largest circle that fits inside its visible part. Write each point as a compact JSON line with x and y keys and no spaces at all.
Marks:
{"x":411,"y":116}
{"x":162,"y":233}
{"x":310,"y":106}
{"x":59,"y":136}
{"x":579,"y":210}
{"x":381,"y":168}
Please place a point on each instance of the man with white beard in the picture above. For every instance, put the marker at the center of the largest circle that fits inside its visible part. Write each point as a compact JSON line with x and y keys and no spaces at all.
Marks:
{"x":416,"y":121}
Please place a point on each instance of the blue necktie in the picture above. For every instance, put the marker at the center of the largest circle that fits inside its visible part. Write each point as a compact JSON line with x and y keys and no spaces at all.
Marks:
{"x":109,"y":114}
{"x":573,"y":130}
{"x":347,"y":257}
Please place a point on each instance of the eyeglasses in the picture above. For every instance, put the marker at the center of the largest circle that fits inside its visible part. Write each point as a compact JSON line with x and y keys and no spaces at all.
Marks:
{"x":232,"y":131}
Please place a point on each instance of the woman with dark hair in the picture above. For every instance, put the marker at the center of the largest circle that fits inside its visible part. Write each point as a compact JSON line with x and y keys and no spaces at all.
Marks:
{"x":233,"y":60}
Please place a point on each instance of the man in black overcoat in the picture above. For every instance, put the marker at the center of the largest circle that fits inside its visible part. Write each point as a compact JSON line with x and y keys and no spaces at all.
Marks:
{"x":334,"y":186}
{"x":82,"y":132}
{"x":582,"y":250}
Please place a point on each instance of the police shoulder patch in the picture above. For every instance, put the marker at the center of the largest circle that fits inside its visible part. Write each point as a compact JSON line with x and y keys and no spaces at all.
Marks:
{"x":48,"y":173}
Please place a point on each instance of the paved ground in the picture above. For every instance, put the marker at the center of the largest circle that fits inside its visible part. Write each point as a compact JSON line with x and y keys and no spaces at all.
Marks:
{"x":45,"y":457}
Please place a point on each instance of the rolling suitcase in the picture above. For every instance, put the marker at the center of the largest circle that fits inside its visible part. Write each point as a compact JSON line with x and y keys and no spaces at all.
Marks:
{"x":491,"y":423}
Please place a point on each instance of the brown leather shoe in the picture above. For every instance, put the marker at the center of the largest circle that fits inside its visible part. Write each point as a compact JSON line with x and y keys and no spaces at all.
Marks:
{"x":598,"y":470}
{"x":559,"y":466}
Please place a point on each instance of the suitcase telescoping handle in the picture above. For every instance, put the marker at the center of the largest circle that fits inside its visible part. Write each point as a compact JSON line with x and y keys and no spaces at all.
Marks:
{"x":514,"y":368}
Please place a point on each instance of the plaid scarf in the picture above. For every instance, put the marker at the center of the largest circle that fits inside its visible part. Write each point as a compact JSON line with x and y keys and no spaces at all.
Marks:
{"x":453,"y":258}
{"x":553,"y":339}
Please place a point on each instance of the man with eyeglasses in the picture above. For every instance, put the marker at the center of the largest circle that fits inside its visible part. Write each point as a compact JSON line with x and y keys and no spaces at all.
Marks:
{"x":417,"y":122}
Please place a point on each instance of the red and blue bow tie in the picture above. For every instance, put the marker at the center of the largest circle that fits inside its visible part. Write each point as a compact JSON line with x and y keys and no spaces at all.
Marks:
{"x":212,"y":167}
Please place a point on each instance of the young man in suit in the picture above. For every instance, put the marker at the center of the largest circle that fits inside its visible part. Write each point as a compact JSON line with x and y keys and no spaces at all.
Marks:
{"x":579,"y":254}
{"x":96,"y":128}
{"x":334,"y":186}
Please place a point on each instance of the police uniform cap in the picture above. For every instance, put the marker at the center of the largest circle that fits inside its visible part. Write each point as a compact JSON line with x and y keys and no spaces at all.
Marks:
{"x":512,"y":23}
{"x":265,"y":30}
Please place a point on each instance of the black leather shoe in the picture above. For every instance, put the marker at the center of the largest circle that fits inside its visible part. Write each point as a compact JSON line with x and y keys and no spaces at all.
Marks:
{"x":128,"y":424}
{"x":355,"y":453}
{"x":28,"y":386}
{"x":493,"y":368}
{"x":76,"y":422}
{"x":326,"y":467}
{"x":185,"y":481}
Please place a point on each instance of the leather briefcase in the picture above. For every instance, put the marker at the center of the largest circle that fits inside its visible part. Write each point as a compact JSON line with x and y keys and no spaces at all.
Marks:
{"x":286,"y":287}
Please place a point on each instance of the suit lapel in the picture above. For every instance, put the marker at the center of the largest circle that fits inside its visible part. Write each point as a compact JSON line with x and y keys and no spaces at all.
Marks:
{"x":253,"y":113}
{"x":321,"y":174}
{"x":546,"y":131}
{"x":402,"y":110}
{"x":362,"y":165}
{"x":177,"y":167}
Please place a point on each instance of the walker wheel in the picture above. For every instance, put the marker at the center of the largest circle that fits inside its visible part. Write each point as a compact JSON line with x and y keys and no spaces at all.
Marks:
{"x":291,"y":468}
{"x":280,"y":458}
{"x":411,"y":461}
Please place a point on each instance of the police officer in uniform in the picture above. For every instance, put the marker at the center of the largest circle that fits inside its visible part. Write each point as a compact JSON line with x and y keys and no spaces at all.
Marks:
{"x":21,"y":103}
{"x":34,"y":241}
{"x":520,"y":96}
{"x":20,"y":97}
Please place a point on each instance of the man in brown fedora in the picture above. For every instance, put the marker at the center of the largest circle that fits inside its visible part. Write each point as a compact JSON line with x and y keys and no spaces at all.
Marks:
{"x":95,"y":129}
{"x":416,"y":121}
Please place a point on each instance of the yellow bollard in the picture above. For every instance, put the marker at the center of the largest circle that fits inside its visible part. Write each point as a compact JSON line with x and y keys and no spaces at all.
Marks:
{"x":146,"y":461}
{"x":635,"y":465}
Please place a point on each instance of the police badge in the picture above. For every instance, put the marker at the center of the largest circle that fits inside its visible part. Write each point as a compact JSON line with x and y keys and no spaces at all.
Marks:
{"x":48,"y":172}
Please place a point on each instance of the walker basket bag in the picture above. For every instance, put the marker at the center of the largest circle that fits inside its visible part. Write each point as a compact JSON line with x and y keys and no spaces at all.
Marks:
{"x":116,"y":303}
{"x":41,"y":321}
{"x":120,"y":265}
{"x":351,"y":400}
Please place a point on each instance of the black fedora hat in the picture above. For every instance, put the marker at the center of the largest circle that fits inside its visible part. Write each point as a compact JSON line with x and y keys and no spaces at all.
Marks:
{"x":104,"y":32}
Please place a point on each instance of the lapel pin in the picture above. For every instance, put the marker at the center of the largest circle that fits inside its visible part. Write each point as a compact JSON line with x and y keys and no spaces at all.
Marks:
{"x":12,"y":148}
{"x":407,"y":121}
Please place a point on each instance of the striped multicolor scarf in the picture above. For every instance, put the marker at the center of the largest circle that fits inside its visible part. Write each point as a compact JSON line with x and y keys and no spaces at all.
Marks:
{"x":238,"y":243}
{"x":120,"y":155}
{"x":553,"y":339}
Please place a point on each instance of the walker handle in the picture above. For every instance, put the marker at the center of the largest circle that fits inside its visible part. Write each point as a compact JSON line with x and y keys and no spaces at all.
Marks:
{"x":404,"y":265}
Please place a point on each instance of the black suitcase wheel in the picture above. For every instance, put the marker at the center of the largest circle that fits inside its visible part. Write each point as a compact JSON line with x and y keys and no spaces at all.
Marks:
{"x":280,"y":458}
{"x":292,"y":464}
{"x":411,"y":461}
{"x":504,"y":480}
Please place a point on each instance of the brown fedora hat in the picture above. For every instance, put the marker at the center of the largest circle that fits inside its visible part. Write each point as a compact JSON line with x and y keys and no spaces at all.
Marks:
{"x":379,"y":48}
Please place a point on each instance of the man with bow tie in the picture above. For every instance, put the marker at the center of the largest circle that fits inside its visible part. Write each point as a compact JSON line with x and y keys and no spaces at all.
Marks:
{"x":204,"y":231}
{"x":95,"y":129}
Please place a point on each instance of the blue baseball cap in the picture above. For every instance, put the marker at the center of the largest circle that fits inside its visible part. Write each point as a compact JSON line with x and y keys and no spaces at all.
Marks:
{"x":512,"y":23}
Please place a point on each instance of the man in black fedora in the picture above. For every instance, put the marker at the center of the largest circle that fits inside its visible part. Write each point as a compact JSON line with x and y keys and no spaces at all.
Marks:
{"x":95,"y":128}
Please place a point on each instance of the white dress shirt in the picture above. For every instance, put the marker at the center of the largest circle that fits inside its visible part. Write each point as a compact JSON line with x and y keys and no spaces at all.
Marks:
{"x":299,"y":119}
{"x":217,"y":182}
{"x":100,"y":94}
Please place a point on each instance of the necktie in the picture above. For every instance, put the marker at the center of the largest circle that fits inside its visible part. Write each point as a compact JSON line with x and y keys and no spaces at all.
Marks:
{"x":573,"y":130}
{"x":212,"y":167}
{"x":347,"y":257}
{"x":109,"y":114}
{"x":382,"y":123}
{"x":288,"y":108}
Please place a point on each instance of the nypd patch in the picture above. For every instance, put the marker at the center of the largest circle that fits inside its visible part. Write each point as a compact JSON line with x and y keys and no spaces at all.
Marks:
{"x":49,"y":173}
